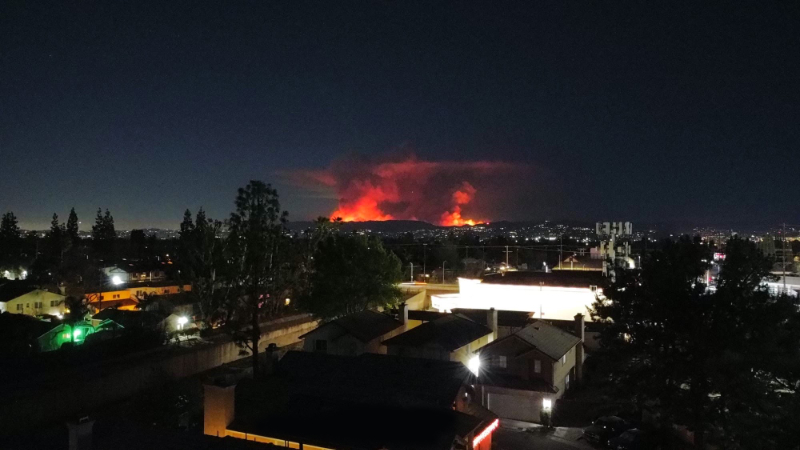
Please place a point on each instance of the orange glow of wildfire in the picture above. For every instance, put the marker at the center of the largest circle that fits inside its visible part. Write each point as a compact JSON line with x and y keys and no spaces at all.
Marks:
{"x":407,"y":189}
{"x":460,"y":197}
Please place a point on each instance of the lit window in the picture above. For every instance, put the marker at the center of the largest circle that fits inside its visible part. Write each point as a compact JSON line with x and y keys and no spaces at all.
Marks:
{"x":537,"y":366}
{"x":502,"y":361}
{"x":321,"y":345}
{"x":19,"y":306}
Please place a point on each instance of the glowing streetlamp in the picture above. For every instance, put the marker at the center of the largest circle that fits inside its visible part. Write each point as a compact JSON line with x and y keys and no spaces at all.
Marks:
{"x":474,"y":365}
{"x":182,"y":321}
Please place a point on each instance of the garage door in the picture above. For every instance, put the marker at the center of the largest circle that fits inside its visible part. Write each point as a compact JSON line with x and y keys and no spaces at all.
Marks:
{"x":508,"y":406}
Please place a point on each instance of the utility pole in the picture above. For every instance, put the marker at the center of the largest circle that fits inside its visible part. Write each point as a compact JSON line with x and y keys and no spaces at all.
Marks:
{"x":443,"y":263}
{"x":412,"y":272}
{"x":560,"y":249}
{"x":784,"y":258}
{"x":424,"y":259}
{"x":507,"y":252}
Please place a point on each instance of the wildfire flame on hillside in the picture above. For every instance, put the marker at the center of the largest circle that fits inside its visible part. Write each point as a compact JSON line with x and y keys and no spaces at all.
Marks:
{"x":441,"y":192}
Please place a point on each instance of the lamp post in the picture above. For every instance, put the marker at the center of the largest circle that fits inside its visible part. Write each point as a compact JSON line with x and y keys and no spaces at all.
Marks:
{"x":443,"y":263}
{"x":425,"y":258}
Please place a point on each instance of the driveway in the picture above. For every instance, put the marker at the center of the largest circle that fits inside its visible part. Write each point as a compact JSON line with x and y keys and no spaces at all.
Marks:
{"x":520,"y":435}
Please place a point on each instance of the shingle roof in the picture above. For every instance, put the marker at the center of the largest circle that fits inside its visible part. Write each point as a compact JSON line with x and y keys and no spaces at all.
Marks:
{"x":450,"y":332}
{"x":549,"y":339}
{"x":375,"y":379}
{"x":504,"y":318}
{"x":364,"y":325}
{"x":560,"y":278}
{"x":367,"y":325}
{"x":9,"y":290}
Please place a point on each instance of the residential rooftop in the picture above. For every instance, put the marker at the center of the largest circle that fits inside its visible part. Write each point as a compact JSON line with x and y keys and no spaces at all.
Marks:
{"x":450,"y":332}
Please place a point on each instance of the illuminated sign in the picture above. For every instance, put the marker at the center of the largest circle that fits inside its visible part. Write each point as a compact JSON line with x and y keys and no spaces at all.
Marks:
{"x":485,"y":433}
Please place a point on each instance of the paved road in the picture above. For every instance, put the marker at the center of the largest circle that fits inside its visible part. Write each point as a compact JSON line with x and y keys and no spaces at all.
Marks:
{"x":508,"y":438}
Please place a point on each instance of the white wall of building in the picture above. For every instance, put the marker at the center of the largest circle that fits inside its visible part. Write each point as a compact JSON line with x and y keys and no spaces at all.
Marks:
{"x":557,"y":303}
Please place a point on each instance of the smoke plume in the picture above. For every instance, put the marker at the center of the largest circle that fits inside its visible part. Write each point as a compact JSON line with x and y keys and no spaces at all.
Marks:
{"x":442,"y":192}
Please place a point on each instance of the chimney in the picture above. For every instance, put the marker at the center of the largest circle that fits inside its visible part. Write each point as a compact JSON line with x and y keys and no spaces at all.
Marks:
{"x":272,"y":356}
{"x":80,"y":433}
{"x":218,"y":407}
{"x":491,"y":321}
{"x":580,"y":332}
{"x":404,"y":314}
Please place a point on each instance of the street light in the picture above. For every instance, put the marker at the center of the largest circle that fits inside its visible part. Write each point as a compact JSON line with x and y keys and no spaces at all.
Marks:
{"x":474,"y":365}
{"x":182,"y":321}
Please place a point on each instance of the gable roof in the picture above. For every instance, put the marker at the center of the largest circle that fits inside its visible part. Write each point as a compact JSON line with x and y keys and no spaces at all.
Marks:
{"x":12,"y":289}
{"x":548,"y":339}
{"x":514,"y":319}
{"x":375,"y":378}
{"x":364,"y":325}
{"x":450,"y":332}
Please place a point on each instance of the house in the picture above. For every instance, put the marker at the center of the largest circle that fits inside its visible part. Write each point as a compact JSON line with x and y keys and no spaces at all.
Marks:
{"x":133,"y":272}
{"x":523,"y":374}
{"x":354,"y":334}
{"x":548,"y":295}
{"x":126,"y":297}
{"x":19,"y":333}
{"x":318,"y":401}
{"x":131,"y":320}
{"x":76,"y":334}
{"x":21,"y":297}
{"x":452,"y":337}
{"x":507,"y":321}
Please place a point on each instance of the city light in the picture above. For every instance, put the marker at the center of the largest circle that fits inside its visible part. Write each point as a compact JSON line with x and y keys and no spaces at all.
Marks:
{"x":182,"y":321}
{"x":116,"y":280}
{"x":474,"y":365}
{"x":547,"y":404}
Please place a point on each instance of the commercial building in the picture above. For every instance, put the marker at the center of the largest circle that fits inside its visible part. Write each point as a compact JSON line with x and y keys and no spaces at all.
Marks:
{"x":554,"y":295}
{"x":317,"y":401}
{"x":523,"y":374}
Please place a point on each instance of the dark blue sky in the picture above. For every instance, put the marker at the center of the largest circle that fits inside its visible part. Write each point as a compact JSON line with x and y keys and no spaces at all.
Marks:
{"x":678,"y":112}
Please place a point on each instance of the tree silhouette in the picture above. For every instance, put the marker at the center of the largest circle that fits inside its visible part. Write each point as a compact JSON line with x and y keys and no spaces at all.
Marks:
{"x":719,"y":360}
{"x":351,"y":273}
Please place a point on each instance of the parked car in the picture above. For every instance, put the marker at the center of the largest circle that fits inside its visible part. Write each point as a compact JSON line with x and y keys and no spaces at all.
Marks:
{"x":602,"y":430}
{"x":636,"y":439}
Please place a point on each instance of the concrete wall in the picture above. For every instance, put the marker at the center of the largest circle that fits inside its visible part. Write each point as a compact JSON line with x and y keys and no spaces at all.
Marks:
{"x":81,"y":389}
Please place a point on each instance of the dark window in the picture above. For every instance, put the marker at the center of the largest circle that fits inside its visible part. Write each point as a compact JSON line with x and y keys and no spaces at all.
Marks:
{"x":537,"y":366}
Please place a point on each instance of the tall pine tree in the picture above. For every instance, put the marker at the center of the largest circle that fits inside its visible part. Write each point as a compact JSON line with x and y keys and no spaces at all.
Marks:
{"x":72,"y":227}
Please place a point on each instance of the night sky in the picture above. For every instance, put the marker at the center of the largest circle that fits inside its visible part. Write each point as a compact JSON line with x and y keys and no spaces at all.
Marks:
{"x":617,"y":110}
